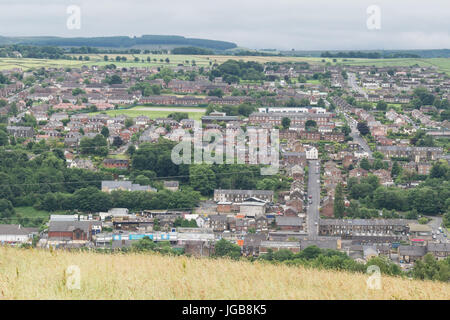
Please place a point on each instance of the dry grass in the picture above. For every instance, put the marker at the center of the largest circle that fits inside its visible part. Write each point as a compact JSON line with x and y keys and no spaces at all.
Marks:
{"x":37,"y":274}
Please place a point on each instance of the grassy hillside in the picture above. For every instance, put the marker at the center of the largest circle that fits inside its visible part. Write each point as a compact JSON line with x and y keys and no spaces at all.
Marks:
{"x":38,"y":274}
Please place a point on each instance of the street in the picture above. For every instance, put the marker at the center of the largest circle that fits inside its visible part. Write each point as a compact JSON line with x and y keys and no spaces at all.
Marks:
{"x":435,"y":223}
{"x":312,"y":213}
{"x":355,"y":87}
{"x":355,"y":133}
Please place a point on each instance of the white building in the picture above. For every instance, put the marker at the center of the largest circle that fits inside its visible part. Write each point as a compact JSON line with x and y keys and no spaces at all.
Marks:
{"x":15,"y":233}
{"x":312,"y":154}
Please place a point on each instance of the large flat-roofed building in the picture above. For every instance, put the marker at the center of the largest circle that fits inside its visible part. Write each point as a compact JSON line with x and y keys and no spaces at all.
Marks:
{"x":108,"y":186}
{"x":221,"y":195}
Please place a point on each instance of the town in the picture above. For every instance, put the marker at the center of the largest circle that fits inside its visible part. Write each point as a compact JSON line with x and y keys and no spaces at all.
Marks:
{"x":364,"y":158}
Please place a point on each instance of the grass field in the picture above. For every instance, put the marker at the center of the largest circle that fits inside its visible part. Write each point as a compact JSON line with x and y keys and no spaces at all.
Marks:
{"x":443,"y":64}
{"x":41,"y":274}
{"x":156,"y":112}
{"x":202,"y":60}
{"x":30,"y":212}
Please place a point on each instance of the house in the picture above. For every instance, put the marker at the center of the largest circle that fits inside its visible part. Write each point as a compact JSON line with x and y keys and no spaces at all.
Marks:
{"x":252,"y":243}
{"x":218,"y":223}
{"x":294,"y":224}
{"x":116,"y":163}
{"x":20,"y":132}
{"x":109,"y":186}
{"x":420,"y":231}
{"x":171,"y":185}
{"x":82,"y":164}
{"x":411,"y":253}
{"x":312,"y":153}
{"x":274,"y":246}
{"x":377,"y":229}
{"x":439,"y":250}
{"x":416,"y":154}
{"x":15,"y":233}
{"x":73,"y":230}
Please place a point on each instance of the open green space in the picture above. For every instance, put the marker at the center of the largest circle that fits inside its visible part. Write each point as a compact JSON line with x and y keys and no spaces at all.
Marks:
{"x":153,"y":114}
{"x":443,"y":64}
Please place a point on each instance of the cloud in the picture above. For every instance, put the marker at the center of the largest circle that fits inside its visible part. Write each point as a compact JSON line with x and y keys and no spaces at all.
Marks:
{"x":283,"y":24}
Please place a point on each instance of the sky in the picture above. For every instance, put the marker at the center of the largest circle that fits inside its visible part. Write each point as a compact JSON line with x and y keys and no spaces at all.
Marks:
{"x":275,"y":24}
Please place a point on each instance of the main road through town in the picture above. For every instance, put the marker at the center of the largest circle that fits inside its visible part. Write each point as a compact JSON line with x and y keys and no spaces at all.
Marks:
{"x":313,"y":198}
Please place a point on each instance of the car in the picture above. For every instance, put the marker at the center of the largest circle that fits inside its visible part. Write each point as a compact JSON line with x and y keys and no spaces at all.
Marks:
{"x":315,"y":223}
{"x":310,"y":201}
{"x":310,"y":196}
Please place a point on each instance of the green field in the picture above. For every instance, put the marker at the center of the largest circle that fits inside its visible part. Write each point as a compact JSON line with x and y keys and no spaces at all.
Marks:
{"x":32,"y":213}
{"x":203,"y":60}
{"x":26,"y":64}
{"x":153,"y":114}
{"x":443,"y":64}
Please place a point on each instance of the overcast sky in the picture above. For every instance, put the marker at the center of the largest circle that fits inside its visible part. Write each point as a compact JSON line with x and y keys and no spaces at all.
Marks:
{"x":280,"y":24}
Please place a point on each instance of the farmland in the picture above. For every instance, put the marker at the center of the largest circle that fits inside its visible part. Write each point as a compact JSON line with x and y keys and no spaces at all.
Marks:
{"x":40,"y":274}
{"x":442,"y":64}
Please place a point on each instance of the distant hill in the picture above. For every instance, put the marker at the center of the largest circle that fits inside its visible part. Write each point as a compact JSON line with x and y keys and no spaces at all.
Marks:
{"x":431,"y":53}
{"x":120,"y":42}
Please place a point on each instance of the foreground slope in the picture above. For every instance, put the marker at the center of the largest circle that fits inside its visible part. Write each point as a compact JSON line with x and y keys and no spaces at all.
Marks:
{"x":38,"y":274}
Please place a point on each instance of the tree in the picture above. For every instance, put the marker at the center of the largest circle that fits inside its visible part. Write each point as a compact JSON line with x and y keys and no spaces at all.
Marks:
{"x":285,"y":122}
{"x":381,"y":105}
{"x":396,"y":169}
{"x":339,"y":204}
{"x":105,"y":132}
{"x":3,"y":138}
{"x":144,"y":244}
{"x":310,"y":253}
{"x":128,"y":122}
{"x":178,"y":116}
{"x":346,"y":130}
{"x":224,"y":248}
{"x":365,"y":164}
{"x":131,"y":150}
{"x":428,"y":268}
{"x":114,"y":79}
{"x":363,"y":128}
{"x":439,"y":170}
{"x":202,"y":178}
{"x":117,"y":141}
{"x":142,"y":180}
{"x":216,"y":93}
{"x":310,"y":124}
